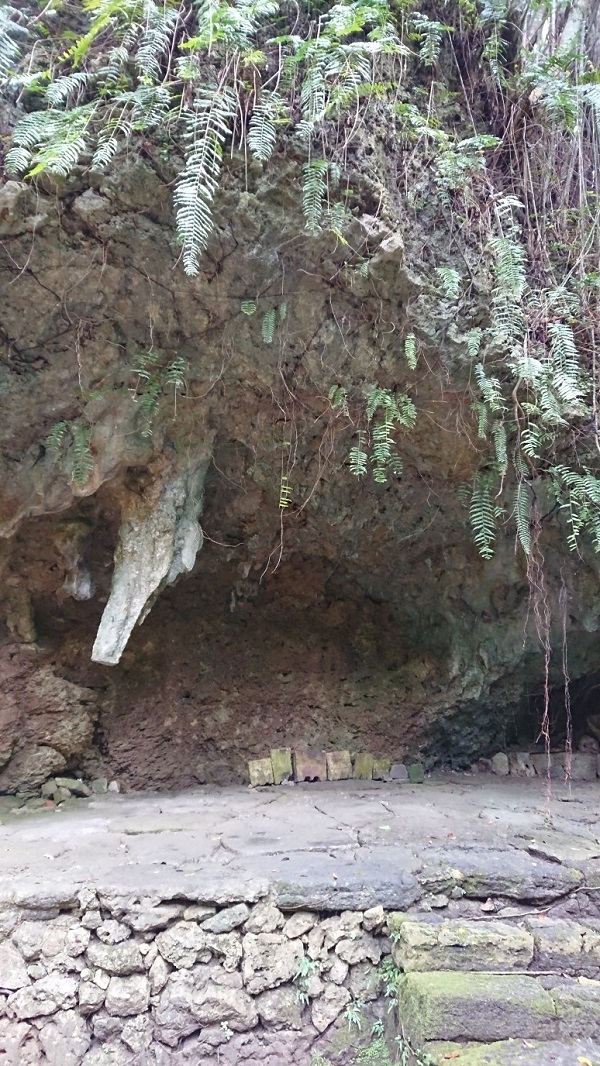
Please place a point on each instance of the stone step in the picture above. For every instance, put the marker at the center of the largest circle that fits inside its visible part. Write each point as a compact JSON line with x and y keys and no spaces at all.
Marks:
{"x":460,"y":945}
{"x":446,"y":1005}
{"x":515,"y":1053}
{"x":537,"y":943}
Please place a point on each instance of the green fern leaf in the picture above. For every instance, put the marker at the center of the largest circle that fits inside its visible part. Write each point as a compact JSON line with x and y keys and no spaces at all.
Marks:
{"x":268,"y":325}
{"x":314,"y":191}
{"x":449,"y":282}
{"x":482,"y":514}
{"x":410,"y":350}
{"x":248,"y":307}
{"x":207,"y":129}
{"x":522,"y":513}
{"x":82,"y":461}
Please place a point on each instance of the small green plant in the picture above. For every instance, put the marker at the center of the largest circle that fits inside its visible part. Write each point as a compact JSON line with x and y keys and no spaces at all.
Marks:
{"x":354,"y":1014}
{"x":390,"y":976}
{"x":375,"y":1054}
{"x":305,"y":970}
{"x":411,"y":1056}
{"x":70,"y":442}
{"x":151,"y":380}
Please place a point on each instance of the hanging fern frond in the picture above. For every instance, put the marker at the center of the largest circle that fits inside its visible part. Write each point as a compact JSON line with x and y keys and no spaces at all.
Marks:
{"x":51,"y":140}
{"x":269,"y":112}
{"x":175,"y":373}
{"x":482,"y":514}
{"x":285,"y":493}
{"x":430,"y":34}
{"x":338,"y":398}
{"x":491,"y":389}
{"x":522,"y":512}
{"x":500,"y":446}
{"x":13,"y":34}
{"x":207,"y":128}
{"x":358,"y":458}
{"x":57,"y":438}
{"x":449,"y":280}
{"x":63,"y":89}
{"x":248,"y":307}
{"x":474,"y":337}
{"x":269,"y":323}
{"x":410,"y":350}
{"x":314,"y":191}
{"x":82,"y":460}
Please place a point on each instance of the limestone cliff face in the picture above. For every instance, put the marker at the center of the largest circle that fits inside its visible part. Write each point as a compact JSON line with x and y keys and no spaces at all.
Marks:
{"x":360,"y":615}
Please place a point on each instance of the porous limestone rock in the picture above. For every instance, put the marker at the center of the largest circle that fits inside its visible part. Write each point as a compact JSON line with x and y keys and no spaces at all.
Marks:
{"x":127,"y":995}
{"x":280,"y":1008}
{"x":299,"y":923}
{"x":185,"y":943}
{"x":44,"y":997}
{"x":329,"y":1006}
{"x":119,"y":959}
{"x":269,"y":960}
{"x":65,"y":1039}
{"x":159,"y":539}
{"x":228,"y":919}
{"x":13,"y":972}
{"x":264,"y":918}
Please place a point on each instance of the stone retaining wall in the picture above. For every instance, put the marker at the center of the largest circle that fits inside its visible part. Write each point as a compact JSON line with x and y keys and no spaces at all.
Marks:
{"x":127,"y":980}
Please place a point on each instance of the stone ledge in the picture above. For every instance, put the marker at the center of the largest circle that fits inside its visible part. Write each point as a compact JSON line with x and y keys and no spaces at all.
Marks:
{"x":467,"y":1006}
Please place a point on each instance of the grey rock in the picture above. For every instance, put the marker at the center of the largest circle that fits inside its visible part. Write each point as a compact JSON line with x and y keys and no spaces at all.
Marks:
{"x":364,"y":982}
{"x":106,"y":1025}
{"x":44,"y":997}
{"x":138,"y":1033}
{"x":269,"y":960}
{"x":127,"y":995}
{"x":359,"y":950}
{"x":398,"y":772}
{"x":264,"y":918}
{"x":329,"y":1006}
{"x":112,"y":932}
{"x":218,"y":1003}
{"x":520,"y":764}
{"x":74,"y":785}
{"x":144,"y":919}
{"x":91,"y":997}
{"x":373,"y":918}
{"x":110,"y":1054}
{"x":342,"y":926}
{"x":484,"y":872}
{"x":102,"y":979}
{"x":227,"y":920}
{"x":159,"y":539}
{"x":280,"y":1008}
{"x":65,"y":1039}
{"x":158,"y":974}
{"x":338,"y":970}
{"x":500,"y":764}
{"x":99,"y":785}
{"x":198,"y":912}
{"x":118,"y":959}
{"x":13,"y":972}
{"x":184,"y":943}
{"x":299,"y":923}
{"x":386,"y":879}
{"x":91,"y":919}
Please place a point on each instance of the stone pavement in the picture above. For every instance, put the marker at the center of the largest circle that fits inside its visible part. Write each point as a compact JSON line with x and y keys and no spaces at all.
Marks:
{"x":330,"y":846}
